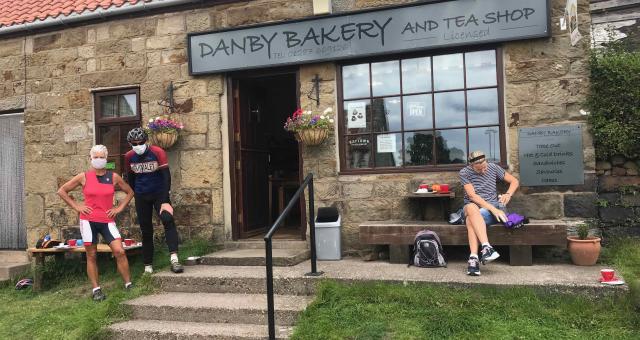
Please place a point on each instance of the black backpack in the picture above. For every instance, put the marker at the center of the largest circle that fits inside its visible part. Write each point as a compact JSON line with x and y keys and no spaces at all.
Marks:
{"x":427,"y":250}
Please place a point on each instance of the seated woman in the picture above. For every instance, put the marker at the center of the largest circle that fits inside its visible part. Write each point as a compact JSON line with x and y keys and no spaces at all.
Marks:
{"x":483,"y":206}
{"x":97,"y":213}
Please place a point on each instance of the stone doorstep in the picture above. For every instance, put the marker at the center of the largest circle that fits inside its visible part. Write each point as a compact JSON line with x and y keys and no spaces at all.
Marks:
{"x":217,"y":307}
{"x":10,"y":270}
{"x":171,"y":330}
{"x":14,"y":256}
{"x":255,"y":257}
{"x":259,"y":244}
{"x":292,"y":280}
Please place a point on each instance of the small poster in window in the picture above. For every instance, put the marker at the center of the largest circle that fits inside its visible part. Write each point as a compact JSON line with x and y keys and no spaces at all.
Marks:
{"x":386,"y":143}
{"x":416,"y":109}
{"x":357,"y":115}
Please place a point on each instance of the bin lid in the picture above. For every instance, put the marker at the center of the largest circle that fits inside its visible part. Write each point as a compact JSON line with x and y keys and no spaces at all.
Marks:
{"x":327,"y":214}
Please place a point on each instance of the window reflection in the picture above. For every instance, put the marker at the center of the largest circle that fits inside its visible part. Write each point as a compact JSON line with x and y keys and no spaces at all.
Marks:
{"x":355,"y":81}
{"x":481,"y":68}
{"x":385,"y":78}
{"x":451,"y":146}
{"x":416,"y":75}
{"x":389,"y":150}
{"x":486,"y":139}
{"x":483,"y":106}
{"x":358,"y":151}
{"x":449,"y":108}
{"x":417,"y":112}
{"x":448,"y":73}
{"x":385,"y":114}
{"x":357,"y":116}
{"x":419,"y":148}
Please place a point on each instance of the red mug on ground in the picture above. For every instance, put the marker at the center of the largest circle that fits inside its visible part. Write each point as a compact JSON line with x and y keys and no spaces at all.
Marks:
{"x":607,"y":274}
{"x":128,"y":242}
{"x":71,"y":242}
{"x":444,"y":188}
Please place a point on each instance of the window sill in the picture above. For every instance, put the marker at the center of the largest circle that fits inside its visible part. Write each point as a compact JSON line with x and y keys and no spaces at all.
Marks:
{"x":451,"y":168}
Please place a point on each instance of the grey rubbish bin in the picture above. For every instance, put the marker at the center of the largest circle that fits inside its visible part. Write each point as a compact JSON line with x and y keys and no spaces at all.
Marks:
{"x":328,"y":234}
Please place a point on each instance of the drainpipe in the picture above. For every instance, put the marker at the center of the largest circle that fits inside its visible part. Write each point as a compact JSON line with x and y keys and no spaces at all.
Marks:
{"x":98,"y":13}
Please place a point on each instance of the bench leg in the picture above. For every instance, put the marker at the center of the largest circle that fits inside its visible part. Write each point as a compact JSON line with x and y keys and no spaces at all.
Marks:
{"x":399,"y":253}
{"x":520,"y":256}
{"x":38,"y":267}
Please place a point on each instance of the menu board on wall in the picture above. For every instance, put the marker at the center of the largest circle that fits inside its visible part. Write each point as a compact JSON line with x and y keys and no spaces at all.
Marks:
{"x":551,"y":155}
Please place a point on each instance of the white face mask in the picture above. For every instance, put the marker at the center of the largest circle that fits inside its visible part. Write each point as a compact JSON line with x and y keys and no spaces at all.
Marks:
{"x":98,"y":163}
{"x":139,"y":149}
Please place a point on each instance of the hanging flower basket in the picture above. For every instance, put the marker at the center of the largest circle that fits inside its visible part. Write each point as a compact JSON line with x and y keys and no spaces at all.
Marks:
{"x":164,"y":140}
{"x":312,"y":136}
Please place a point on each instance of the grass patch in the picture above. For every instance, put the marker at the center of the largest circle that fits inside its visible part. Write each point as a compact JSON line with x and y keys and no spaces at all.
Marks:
{"x":64,"y":310}
{"x":624,"y":255}
{"x":387,"y":311}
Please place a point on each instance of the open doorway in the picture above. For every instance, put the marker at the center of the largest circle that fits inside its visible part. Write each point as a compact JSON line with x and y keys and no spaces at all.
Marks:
{"x":266,"y":158}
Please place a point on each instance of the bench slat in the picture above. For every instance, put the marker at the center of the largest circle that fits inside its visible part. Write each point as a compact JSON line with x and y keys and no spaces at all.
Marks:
{"x":403,"y":232}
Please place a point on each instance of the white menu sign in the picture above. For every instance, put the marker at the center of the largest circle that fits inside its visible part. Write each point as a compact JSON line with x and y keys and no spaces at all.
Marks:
{"x":357,"y":115}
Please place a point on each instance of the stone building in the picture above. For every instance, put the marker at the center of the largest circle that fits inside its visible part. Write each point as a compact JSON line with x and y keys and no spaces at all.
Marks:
{"x":86,"y":75}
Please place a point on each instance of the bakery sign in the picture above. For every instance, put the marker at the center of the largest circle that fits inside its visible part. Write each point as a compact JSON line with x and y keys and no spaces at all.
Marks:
{"x":366,"y":33}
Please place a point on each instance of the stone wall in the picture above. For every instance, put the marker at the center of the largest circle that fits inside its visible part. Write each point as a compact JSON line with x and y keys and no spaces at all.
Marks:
{"x":51,"y":76}
{"x":618,"y":200}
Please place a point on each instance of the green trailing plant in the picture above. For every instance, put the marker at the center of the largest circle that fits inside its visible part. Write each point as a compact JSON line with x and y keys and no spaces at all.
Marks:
{"x":614,"y":101}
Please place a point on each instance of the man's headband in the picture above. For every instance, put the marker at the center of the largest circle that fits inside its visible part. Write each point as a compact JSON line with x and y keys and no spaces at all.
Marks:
{"x":477,"y":158}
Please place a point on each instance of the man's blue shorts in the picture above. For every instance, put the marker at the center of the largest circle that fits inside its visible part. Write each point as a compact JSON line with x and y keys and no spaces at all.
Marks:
{"x":488,"y":217}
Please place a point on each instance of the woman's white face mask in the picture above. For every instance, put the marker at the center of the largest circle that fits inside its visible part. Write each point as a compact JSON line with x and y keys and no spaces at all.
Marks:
{"x":139,"y":149}
{"x":98,"y":163}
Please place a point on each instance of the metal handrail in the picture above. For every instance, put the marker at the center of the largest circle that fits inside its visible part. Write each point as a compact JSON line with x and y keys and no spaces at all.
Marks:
{"x":308,"y":182}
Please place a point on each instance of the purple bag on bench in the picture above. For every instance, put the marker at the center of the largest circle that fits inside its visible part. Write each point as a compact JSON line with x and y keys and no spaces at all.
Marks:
{"x":515,"y":221}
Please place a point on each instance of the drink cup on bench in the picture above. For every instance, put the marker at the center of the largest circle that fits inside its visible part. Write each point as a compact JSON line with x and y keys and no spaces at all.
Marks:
{"x":71,"y":242}
{"x":607,"y":274}
{"x":128,"y":242}
{"x":444,"y":188}
{"x":79,"y":243}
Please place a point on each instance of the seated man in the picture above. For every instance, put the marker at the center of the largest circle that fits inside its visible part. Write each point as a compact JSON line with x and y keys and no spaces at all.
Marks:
{"x":483,"y":206}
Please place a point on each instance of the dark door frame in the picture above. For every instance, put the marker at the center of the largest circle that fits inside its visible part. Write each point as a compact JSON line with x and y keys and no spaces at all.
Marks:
{"x":233,"y":104}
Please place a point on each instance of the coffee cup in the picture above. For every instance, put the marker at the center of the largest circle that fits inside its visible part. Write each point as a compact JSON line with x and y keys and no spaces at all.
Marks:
{"x":128,"y":242}
{"x":79,"y":242}
{"x":71,"y":242}
{"x":607,"y":274}
{"x":444,"y":187}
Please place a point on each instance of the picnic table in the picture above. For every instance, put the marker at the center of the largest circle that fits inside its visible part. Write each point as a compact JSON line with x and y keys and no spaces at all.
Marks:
{"x":39,"y":255}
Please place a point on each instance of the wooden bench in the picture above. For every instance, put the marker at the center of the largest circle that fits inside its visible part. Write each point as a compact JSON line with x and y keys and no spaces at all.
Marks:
{"x":399,"y":234}
{"x":39,"y":255}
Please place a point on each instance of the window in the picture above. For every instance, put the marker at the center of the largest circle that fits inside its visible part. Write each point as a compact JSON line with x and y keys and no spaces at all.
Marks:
{"x":423,"y":113}
{"x":116,"y":112}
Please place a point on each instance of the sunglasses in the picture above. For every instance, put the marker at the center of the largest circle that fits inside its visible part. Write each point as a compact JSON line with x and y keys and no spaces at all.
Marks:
{"x":137,"y":143}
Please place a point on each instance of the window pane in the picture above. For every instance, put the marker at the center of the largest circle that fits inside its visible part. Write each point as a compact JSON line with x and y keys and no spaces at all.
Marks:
{"x":449,"y":109}
{"x":385,"y":78}
{"x":109,"y":137}
{"x":358,"y":152}
{"x":451,"y":146}
{"x":128,"y":107}
{"x":416,"y":75}
{"x":386,"y":114}
{"x":355,"y":81}
{"x":486,"y":139}
{"x":481,"y":68}
{"x":109,"y":106}
{"x":418,"y":112}
{"x":483,"y":106}
{"x":389,"y":150}
{"x":447,"y":72}
{"x":419,"y":148}
{"x":357,"y":116}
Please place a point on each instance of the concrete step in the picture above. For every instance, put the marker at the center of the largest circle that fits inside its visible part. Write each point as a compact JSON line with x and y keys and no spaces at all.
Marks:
{"x":256,"y":257}
{"x":13,"y":256}
{"x":259,"y":244}
{"x":171,"y":330}
{"x":233,"y":279}
{"x":10,"y":270}
{"x":217,"y":307}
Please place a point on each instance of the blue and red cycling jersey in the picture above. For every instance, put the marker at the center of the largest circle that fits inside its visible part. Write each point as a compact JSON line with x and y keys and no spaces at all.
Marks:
{"x":146,"y":169}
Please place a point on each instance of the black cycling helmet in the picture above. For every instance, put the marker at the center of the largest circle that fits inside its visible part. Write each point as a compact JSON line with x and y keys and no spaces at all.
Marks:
{"x":136,"y":134}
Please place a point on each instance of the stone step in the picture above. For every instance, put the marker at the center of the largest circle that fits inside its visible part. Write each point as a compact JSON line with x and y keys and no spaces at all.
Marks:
{"x":10,"y":270}
{"x":13,"y":256}
{"x":259,"y":244}
{"x":217,"y":307}
{"x":233,"y":279}
{"x":256,"y":257}
{"x":171,"y":330}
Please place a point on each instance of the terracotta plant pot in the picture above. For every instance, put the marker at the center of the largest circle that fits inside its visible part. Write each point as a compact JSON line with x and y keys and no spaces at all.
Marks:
{"x":163,"y":139}
{"x":312,"y":136}
{"x":584,"y":252}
